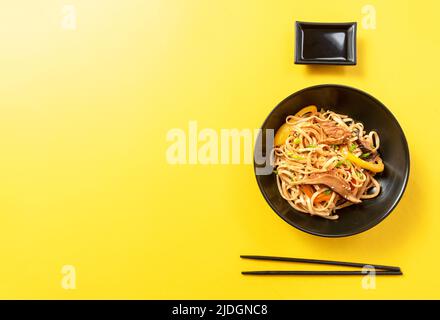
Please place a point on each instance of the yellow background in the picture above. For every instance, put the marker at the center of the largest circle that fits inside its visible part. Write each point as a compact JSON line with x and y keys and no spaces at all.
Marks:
{"x":83,"y":120}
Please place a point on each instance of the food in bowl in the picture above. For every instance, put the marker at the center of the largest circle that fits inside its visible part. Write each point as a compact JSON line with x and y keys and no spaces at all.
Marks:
{"x":325,"y":161}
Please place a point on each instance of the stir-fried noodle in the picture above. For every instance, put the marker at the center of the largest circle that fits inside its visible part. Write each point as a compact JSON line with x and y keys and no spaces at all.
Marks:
{"x":325,"y":161}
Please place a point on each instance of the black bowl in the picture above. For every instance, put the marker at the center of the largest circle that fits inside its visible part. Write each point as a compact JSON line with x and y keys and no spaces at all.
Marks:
{"x":393,"y":149}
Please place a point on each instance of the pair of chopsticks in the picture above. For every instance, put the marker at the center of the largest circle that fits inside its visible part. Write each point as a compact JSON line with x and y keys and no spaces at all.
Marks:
{"x":379,"y":269}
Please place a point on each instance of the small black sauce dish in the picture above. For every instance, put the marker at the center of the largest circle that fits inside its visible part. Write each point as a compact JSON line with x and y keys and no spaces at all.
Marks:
{"x":325,"y":43}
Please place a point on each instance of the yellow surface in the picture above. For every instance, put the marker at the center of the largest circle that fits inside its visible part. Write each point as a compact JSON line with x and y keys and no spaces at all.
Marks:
{"x":83,"y":119}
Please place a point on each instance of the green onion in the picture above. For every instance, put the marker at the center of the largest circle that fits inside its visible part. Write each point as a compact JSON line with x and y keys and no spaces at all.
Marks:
{"x":276,"y":172}
{"x":294,"y":156}
{"x":339,"y":163}
{"x":297,"y":140}
{"x":365,"y":155}
{"x":352,"y":147}
{"x":311,"y":146}
{"x":327,"y":192}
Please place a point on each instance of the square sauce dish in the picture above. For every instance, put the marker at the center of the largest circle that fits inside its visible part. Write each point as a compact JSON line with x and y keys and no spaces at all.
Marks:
{"x":325,"y":43}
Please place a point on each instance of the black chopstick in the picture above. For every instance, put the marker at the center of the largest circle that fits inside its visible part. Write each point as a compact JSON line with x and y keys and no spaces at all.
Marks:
{"x":327,"y":262}
{"x":319,"y":273}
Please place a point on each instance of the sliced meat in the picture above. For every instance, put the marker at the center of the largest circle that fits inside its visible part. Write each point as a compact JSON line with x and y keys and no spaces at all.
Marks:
{"x":335,"y":183}
{"x":333,"y":140}
{"x":334,"y":134}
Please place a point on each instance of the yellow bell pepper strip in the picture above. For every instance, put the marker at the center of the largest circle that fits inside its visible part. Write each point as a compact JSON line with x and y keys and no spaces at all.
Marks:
{"x":373,"y":167}
{"x":305,"y":110}
{"x":282,"y":134}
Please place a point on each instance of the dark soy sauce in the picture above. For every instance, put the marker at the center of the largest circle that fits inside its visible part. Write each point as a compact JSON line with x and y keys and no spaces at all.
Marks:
{"x":325,"y":43}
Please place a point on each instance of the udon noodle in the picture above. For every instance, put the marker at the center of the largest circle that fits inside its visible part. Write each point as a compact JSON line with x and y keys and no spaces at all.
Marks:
{"x":325,"y":161}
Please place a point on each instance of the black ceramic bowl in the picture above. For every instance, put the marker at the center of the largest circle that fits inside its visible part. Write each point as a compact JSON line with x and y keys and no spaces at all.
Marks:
{"x":393,"y":149}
